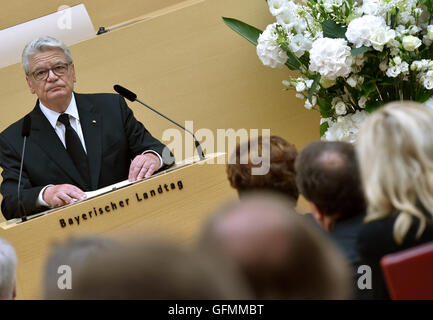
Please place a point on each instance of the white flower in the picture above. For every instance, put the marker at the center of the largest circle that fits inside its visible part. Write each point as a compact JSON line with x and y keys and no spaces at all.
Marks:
{"x":372,"y":7}
{"x":300,"y":86}
{"x":416,"y":66}
{"x":369,"y":31}
{"x":289,"y":18}
{"x":268,"y":50}
{"x":428,"y":83}
{"x":362,"y":101}
{"x":346,"y":128}
{"x":411,"y":43}
{"x":309,"y":83}
{"x":340,"y":108}
{"x":331,"y":58}
{"x":426,"y":41}
{"x":429,"y":34}
{"x":277,"y":6}
{"x":397,"y":60}
{"x":299,"y":44}
{"x":300,"y":96}
{"x":381,"y":38}
{"x":393,"y":71}
{"x":352,"y":82}
{"x":413,"y":30}
{"x":309,"y":105}
{"x":404,"y":67}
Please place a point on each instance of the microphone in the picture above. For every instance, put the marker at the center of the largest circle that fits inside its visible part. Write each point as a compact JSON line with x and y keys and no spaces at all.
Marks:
{"x":25,"y":132}
{"x":131,"y":96}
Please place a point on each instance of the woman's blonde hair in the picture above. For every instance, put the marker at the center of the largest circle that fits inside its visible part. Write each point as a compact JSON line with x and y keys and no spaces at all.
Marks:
{"x":395,"y":150}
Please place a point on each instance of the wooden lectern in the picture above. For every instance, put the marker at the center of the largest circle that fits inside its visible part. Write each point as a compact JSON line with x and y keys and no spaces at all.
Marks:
{"x":172,"y":203}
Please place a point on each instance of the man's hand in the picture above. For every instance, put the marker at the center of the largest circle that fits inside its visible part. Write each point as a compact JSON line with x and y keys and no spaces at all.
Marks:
{"x":62,"y":194}
{"x":143,"y":166}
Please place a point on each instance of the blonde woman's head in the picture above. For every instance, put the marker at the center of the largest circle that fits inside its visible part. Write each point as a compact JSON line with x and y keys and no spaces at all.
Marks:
{"x":395,"y":149}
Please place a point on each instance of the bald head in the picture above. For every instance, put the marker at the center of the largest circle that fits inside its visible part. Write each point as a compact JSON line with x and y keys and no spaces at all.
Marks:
{"x":254,"y":231}
{"x":281,"y":255}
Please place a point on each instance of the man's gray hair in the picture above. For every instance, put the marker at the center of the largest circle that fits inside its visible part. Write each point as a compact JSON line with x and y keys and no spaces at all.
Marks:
{"x":73,"y":252}
{"x":42,"y":44}
{"x":8,"y":267}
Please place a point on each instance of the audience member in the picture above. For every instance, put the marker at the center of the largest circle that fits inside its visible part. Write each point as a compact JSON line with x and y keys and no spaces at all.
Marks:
{"x":395,"y":149}
{"x":274,"y":152}
{"x":327,"y":175}
{"x":74,"y":253}
{"x":156,"y":270}
{"x":8,"y":267}
{"x":281,"y":255}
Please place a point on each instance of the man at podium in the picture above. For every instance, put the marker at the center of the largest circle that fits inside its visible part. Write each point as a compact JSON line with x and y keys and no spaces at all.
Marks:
{"x":76,"y":142}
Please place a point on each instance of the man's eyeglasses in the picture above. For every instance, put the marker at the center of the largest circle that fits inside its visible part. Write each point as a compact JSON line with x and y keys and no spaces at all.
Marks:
{"x":59,"y":70}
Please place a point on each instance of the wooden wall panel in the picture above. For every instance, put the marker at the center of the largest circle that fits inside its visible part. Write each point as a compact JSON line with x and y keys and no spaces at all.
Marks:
{"x":102,"y":12}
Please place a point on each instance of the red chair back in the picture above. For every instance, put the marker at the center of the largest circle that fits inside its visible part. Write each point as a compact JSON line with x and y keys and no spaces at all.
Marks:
{"x":409,"y":273}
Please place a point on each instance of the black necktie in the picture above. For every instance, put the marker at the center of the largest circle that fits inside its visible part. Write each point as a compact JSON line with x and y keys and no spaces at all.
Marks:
{"x":75,"y":149}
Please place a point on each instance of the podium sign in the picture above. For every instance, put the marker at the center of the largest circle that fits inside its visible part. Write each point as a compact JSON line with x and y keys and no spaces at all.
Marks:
{"x":173,"y":204}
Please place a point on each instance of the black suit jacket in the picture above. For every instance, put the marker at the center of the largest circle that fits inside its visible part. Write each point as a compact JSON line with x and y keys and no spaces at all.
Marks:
{"x":112,"y":135}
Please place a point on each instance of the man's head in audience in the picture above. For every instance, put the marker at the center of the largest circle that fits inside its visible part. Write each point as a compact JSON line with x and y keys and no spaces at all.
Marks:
{"x":156,"y":269}
{"x":274,"y":154}
{"x":327,"y":175}
{"x":74,"y":254}
{"x":8,"y":267}
{"x":280,"y":253}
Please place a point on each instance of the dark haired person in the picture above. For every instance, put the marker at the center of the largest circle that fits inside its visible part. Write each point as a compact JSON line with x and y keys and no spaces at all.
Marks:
{"x":327,"y":175}
{"x":276,"y":154}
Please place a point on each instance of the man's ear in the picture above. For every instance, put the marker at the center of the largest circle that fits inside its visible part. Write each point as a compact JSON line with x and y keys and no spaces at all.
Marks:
{"x":29,"y":83}
{"x":317,"y":213}
{"x":74,"y":78}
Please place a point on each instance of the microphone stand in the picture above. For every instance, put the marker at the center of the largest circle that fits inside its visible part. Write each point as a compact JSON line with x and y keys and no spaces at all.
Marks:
{"x":197,"y":144}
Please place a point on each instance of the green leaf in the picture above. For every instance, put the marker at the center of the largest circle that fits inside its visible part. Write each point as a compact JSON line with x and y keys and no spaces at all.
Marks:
{"x":293,"y":60}
{"x":394,"y":19}
{"x":325,"y":108}
{"x":333,"y":30}
{"x":305,"y":59}
{"x":372,"y":105}
{"x":323,"y":128}
{"x":245,"y":30}
{"x":368,"y":87}
{"x":291,"y":67}
{"x":423,"y":96}
{"x":313,"y":87}
{"x":357,"y":51}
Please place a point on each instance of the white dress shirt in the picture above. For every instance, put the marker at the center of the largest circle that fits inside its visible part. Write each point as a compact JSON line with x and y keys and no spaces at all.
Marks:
{"x":74,"y":119}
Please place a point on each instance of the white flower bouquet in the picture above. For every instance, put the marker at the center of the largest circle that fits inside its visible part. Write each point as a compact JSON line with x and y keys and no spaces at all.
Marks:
{"x":353,"y":55}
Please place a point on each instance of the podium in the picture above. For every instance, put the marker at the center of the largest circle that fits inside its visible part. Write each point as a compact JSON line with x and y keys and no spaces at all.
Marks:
{"x":172,"y":204}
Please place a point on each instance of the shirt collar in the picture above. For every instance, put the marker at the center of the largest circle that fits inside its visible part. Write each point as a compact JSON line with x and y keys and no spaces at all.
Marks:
{"x":52,"y":116}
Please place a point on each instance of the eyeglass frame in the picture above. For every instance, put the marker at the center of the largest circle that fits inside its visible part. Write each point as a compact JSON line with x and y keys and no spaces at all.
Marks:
{"x":64,"y":64}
